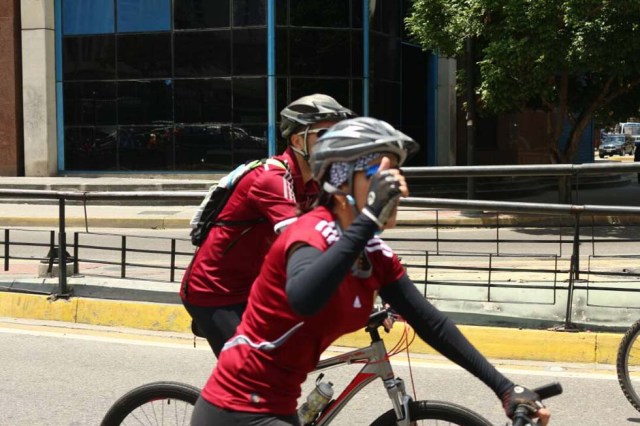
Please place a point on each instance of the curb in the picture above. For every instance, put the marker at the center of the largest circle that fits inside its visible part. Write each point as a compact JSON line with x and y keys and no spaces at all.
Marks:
{"x":493,"y":342}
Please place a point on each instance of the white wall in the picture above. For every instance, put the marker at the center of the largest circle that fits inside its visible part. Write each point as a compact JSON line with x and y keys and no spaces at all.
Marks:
{"x":38,"y":92}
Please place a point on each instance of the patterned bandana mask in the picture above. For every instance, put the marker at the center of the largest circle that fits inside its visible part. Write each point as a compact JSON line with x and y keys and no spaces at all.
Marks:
{"x":339,"y":171}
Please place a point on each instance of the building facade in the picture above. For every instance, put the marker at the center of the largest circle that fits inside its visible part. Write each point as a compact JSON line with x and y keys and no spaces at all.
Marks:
{"x":157,"y":86}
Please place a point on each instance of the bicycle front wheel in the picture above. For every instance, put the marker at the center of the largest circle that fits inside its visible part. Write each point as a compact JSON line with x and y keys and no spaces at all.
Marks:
{"x":435,"y":413}
{"x":628,"y":365}
{"x":158,"y":403}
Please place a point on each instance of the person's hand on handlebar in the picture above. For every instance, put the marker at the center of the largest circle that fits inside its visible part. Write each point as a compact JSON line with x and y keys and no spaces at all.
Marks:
{"x":519,"y":396}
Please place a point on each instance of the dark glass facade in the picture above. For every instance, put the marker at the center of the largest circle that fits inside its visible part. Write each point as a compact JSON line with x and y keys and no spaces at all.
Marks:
{"x":161,"y":85}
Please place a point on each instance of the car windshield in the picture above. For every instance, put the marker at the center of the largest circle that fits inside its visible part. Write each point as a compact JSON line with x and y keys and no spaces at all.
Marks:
{"x":614,"y":139}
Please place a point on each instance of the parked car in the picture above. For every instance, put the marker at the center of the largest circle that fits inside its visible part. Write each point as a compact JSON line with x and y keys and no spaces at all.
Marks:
{"x":616,"y":144}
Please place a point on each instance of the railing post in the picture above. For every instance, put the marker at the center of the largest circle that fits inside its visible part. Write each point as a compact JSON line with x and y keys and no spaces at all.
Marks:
{"x":437,"y":233}
{"x":573,"y":275}
{"x":76,"y":243}
{"x":173,"y":260}
{"x":123,"y":257}
{"x":62,"y":248}
{"x":6,"y":249}
{"x":426,"y":272}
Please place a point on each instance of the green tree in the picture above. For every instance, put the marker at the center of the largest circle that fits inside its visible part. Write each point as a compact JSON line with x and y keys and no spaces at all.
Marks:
{"x":577,"y":59}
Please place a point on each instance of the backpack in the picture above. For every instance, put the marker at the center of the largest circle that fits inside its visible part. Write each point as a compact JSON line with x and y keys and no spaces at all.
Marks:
{"x":207,"y":214}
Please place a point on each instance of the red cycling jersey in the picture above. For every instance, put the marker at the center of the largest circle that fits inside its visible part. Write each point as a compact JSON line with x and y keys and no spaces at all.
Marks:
{"x":251,"y":376}
{"x":229,"y":260}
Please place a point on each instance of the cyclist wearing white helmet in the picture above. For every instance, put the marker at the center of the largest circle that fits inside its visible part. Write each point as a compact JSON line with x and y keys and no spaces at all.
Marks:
{"x":216,"y":285}
{"x":319,"y":281}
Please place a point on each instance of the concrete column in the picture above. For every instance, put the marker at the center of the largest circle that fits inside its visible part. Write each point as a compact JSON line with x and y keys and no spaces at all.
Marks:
{"x":10,"y":97}
{"x":446,"y":112}
{"x":39,"y":88}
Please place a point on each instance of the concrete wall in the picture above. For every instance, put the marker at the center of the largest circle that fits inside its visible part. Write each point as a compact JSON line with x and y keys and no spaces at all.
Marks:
{"x":10,"y":100}
{"x":39,"y":94}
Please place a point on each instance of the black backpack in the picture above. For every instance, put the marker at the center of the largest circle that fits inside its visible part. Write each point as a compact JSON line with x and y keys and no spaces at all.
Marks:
{"x":207,"y":214}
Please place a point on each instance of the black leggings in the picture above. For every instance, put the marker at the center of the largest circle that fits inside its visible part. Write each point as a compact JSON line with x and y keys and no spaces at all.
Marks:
{"x":207,"y":414}
{"x":217,"y":323}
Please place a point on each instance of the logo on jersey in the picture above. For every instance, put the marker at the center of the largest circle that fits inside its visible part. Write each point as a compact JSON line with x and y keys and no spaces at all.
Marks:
{"x":356,"y":302}
{"x":376,"y":244}
{"x":328,"y":231}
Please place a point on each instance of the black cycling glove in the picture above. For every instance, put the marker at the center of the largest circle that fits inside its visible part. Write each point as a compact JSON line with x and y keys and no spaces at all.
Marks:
{"x":384,"y":191}
{"x":519,"y":395}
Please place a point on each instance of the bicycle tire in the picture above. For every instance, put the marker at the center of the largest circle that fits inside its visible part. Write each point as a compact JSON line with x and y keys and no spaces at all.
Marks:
{"x":626,"y":355}
{"x":148,"y":404}
{"x":435,"y":410}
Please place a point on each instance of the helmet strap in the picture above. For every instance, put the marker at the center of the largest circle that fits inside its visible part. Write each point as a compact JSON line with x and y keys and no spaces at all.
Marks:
{"x":303,"y":152}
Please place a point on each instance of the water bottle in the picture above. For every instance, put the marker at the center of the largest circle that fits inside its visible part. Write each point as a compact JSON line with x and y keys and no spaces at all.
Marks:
{"x":316,"y":401}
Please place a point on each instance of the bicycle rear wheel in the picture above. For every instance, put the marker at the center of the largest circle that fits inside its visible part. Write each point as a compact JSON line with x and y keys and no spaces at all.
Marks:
{"x":435,"y":413}
{"x":628,"y":365}
{"x":158,"y":403}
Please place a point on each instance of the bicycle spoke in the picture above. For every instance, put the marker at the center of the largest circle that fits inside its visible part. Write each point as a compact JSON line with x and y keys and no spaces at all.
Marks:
{"x":168,"y":412}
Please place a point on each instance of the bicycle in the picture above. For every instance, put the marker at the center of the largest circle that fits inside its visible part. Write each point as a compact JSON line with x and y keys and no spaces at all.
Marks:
{"x":152,"y":401}
{"x":628,"y":364}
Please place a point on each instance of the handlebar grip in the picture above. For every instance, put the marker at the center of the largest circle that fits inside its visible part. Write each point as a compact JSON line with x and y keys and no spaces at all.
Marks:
{"x":549,"y":390}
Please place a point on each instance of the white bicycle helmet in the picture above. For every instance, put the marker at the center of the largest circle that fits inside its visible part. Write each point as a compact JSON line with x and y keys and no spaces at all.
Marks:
{"x":349,"y":140}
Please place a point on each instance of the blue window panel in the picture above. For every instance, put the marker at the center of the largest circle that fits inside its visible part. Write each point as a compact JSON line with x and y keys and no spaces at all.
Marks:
{"x":87,"y":17}
{"x":144,"y":15}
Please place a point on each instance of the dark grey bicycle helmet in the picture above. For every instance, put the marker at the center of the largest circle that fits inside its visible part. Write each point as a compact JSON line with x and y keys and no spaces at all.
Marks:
{"x":351,"y":139}
{"x":309,"y":110}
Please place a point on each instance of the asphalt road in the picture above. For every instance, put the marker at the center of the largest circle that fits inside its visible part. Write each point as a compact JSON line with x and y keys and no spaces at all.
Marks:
{"x":53,"y":374}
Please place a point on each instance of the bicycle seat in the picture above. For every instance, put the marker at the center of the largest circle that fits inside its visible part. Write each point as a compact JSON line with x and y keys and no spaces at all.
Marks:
{"x":376,"y":319}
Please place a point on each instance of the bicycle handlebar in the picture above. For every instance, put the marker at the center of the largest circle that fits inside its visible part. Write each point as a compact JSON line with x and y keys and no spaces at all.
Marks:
{"x":521,"y":415}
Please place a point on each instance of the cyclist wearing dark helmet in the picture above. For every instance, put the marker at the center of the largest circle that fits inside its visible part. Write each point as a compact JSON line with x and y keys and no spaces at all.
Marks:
{"x":320,"y":280}
{"x":216,"y":285}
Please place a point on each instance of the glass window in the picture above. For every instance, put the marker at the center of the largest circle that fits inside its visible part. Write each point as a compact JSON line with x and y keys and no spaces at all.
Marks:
{"x":356,"y":96}
{"x":385,"y":57}
{"x":202,"y":54}
{"x":357,"y":67}
{"x":191,"y":14}
{"x":145,"y":102}
{"x":89,"y":57}
{"x":356,"y":13}
{"x":250,"y":51}
{"x":249,"y":12}
{"x":90,"y":148}
{"x":144,"y":55}
{"x":145,"y":148}
{"x":281,"y":12}
{"x":90,"y":103}
{"x":390,"y":13}
{"x":87,"y":17}
{"x":203,"y":147}
{"x":320,"y":52}
{"x":249,"y":143}
{"x":334,"y":87}
{"x":282,"y":51}
{"x":326,"y":13}
{"x":202,"y":101}
{"x":385,"y":101}
{"x":250,"y":100}
{"x":144,"y":15}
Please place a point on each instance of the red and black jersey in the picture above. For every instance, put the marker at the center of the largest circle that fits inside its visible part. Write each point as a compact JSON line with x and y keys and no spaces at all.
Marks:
{"x":264,"y":202}
{"x":265,"y":363}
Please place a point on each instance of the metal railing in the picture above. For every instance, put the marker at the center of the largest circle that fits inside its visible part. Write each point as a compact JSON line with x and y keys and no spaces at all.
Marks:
{"x":575,"y":212}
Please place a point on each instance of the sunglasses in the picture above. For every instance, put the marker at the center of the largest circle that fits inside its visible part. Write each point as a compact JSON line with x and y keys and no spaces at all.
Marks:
{"x":371,"y":170}
{"x":319,"y":132}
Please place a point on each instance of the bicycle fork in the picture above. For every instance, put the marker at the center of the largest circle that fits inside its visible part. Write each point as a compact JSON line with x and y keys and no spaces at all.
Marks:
{"x":399,"y":399}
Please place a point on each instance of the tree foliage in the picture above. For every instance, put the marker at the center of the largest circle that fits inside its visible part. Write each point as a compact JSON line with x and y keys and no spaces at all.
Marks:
{"x":577,"y":59}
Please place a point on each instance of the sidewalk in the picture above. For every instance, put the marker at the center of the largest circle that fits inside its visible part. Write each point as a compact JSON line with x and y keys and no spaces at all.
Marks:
{"x":140,"y":305}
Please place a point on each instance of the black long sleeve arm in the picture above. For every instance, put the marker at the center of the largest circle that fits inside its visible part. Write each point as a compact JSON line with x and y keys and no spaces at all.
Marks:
{"x":313,"y":276}
{"x":440,"y":332}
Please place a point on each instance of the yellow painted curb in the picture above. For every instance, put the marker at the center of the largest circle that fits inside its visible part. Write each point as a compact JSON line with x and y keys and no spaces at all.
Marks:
{"x":493,"y":342}
{"x":512,"y":343}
